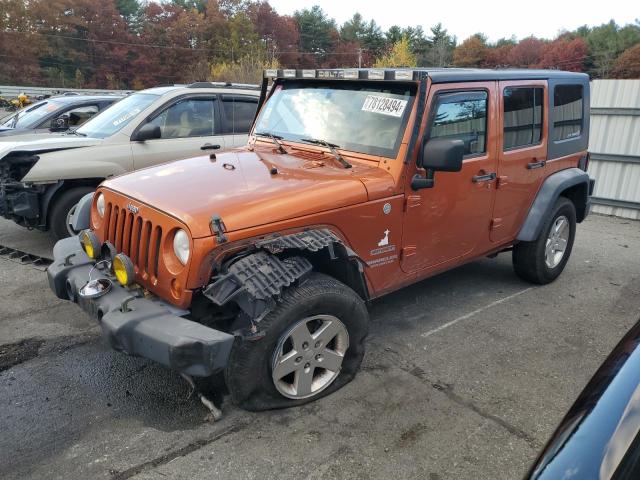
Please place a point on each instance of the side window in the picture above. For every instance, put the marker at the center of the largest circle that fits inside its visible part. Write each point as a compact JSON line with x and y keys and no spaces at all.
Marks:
{"x":522,"y":116}
{"x":463,"y":116}
{"x":239,"y":113}
{"x":186,"y":118}
{"x":567,"y":111}
{"x":78,"y":116}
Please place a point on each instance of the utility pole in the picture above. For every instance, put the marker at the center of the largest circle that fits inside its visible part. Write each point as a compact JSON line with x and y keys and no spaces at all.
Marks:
{"x":359,"y":58}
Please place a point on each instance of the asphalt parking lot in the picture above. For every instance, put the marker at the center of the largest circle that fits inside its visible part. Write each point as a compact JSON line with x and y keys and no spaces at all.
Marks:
{"x":465,"y":377}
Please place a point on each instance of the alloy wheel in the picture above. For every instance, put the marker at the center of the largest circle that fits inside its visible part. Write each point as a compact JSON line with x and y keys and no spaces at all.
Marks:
{"x":308,"y":356}
{"x":557,"y":242}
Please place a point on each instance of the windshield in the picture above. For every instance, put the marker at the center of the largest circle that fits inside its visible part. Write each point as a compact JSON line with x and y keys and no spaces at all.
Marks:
{"x":366,"y":118}
{"x":30,"y":117}
{"x":117,"y":116}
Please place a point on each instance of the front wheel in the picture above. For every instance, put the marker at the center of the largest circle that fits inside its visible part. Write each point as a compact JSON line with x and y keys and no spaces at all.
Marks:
{"x":544,"y":259}
{"x":63,"y":209}
{"x":313,"y":345}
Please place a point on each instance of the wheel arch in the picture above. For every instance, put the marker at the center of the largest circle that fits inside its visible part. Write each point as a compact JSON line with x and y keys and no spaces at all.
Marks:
{"x":55,"y":191}
{"x":254,"y":277}
{"x":571,"y":183}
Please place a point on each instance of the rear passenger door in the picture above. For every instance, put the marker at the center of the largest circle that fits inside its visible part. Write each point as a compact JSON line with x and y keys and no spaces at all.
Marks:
{"x":237,"y":112}
{"x":187,"y":125}
{"x":522,"y":153}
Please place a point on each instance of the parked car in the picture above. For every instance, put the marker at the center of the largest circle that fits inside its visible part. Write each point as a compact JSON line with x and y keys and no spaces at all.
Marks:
{"x":259,"y":261}
{"x":56,"y":114}
{"x":599,"y":438}
{"x":43,"y":177}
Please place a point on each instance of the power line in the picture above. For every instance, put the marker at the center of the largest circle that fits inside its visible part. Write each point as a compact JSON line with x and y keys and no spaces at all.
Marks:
{"x":167,"y":47}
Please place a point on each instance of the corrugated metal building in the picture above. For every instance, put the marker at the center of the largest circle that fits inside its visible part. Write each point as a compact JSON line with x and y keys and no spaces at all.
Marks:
{"x":614,"y":144}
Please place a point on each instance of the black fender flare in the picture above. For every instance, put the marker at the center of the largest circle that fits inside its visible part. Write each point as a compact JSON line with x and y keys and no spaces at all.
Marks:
{"x":81,"y":218}
{"x":547,"y":196}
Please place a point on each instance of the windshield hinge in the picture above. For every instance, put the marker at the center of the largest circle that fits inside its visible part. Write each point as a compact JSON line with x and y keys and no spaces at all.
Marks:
{"x":218,"y":228}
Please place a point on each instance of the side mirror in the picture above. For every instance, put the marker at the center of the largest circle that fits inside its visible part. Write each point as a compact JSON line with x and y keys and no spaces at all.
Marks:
{"x":148,"y":132}
{"x":438,"y":155}
{"x":442,"y":155}
{"x":60,"y":123}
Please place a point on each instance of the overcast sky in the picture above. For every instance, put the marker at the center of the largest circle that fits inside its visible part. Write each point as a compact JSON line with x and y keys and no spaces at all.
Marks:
{"x":462,"y":18}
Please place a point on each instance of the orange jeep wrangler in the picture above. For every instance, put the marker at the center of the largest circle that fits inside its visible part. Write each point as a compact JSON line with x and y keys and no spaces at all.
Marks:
{"x":260,"y":261}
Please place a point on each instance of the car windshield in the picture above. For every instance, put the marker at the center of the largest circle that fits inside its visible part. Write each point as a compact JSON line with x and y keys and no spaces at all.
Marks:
{"x":365,"y":118}
{"x":117,"y":116}
{"x":31,"y":116}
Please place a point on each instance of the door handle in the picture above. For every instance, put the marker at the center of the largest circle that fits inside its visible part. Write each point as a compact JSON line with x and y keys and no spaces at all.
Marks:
{"x":208,"y":146}
{"x":483,"y":178}
{"x":534,"y":165}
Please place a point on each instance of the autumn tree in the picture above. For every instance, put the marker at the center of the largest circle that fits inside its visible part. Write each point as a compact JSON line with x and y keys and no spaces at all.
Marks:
{"x":472,"y":52}
{"x":527,"y":53}
{"x":278,"y":32}
{"x":399,"y":56}
{"x":19,"y":48}
{"x":565,"y":53}
{"x":628,"y":64}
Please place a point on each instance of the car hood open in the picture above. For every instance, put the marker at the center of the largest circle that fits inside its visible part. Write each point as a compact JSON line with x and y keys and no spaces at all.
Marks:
{"x":243,"y":187}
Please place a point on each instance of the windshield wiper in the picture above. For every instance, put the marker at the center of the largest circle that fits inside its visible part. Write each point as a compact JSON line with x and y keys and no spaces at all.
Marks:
{"x":330,"y":146}
{"x":276,"y":139}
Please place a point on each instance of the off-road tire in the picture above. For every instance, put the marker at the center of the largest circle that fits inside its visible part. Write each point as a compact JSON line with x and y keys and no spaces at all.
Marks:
{"x":60,"y":209}
{"x":529,"y":257}
{"x":248,"y":372}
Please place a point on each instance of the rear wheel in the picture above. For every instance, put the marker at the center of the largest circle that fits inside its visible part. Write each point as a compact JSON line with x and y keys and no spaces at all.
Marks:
{"x":544,"y":259}
{"x":62,"y":210}
{"x":314,"y":344}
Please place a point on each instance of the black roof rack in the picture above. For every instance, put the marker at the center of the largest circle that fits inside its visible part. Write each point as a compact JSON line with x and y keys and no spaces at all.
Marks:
{"x":245,"y":86}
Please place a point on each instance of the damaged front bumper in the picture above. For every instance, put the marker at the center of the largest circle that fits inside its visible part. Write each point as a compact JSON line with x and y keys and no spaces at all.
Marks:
{"x":139,"y":326}
{"x":21,"y":204}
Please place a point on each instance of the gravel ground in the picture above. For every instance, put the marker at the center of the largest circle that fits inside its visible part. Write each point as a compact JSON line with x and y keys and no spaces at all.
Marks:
{"x":465,"y":377}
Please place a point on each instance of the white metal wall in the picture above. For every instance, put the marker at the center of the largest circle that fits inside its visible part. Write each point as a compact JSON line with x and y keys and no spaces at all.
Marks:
{"x":614,"y":144}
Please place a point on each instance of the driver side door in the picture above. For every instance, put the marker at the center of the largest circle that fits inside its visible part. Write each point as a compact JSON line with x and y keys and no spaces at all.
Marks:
{"x":450,"y":221}
{"x":189,"y":128}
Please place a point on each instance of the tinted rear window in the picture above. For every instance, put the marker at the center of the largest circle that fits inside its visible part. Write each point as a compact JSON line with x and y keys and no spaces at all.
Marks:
{"x":522,"y":116}
{"x":567,"y":111}
{"x":239,"y":114}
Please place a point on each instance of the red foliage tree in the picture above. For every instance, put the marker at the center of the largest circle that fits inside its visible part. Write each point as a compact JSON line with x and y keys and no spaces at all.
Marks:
{"x":527,"y":53}
{"x":498,"y":56}
{"x":565,"y":54}
{"x":628,"y":64}
{"x":279,"y":32}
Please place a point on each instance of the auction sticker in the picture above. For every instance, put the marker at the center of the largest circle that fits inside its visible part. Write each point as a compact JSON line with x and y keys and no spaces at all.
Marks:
{"x":393,"y":107}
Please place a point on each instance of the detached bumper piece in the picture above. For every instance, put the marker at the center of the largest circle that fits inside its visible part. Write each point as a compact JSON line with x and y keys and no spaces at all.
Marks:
{"x":253,"y":282}
{"x":145,"y":327}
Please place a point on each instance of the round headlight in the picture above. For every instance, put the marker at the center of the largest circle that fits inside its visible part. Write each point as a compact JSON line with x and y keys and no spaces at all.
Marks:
{"x":100,"y":205}
{"x":123,"y":269}
{"x":181,"y":246}
{"x":90,"y":243}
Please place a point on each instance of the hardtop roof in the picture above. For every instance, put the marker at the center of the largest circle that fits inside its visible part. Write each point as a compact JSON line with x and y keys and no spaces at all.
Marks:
{"x":437,"y":75}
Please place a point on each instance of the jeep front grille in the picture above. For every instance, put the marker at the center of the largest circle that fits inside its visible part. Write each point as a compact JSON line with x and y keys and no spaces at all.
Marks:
{"x":136,"y":237}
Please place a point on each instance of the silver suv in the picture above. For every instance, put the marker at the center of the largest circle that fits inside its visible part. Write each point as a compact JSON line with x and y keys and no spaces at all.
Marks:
{"x":42,"y":177}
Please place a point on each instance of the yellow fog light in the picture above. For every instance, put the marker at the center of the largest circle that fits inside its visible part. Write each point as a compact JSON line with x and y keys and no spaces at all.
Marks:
{"x":90,"y":243}
{"x":123,"y":269}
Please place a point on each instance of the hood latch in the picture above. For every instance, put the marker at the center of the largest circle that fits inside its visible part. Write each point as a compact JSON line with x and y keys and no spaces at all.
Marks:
{"x":218,"y":228}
